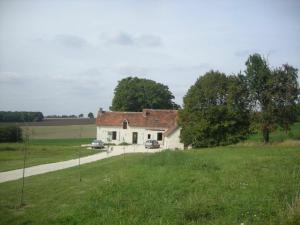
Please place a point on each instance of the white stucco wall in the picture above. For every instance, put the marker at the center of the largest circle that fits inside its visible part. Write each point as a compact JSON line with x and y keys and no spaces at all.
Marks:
{"x":173,"y":141}
{"x":125,"y":135}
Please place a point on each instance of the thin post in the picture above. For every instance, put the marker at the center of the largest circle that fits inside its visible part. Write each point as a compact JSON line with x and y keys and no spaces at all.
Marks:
{"x":79,"y":154}
{"x":124,"y":151}
{"x":24,"y":165}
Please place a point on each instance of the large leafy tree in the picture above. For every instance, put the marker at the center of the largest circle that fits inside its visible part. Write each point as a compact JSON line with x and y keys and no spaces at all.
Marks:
{"x":215,"y":111}
{"x":273,"y":94}
{"x":134,"y":94}
{"x":285,"y":95}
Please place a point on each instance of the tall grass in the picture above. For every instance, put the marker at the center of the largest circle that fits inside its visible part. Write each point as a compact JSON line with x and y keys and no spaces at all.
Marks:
{"x":224,"y":185}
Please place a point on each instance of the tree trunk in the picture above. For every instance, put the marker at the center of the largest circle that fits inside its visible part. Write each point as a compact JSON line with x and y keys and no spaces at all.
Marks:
{"x":266,"y":133}
{"x":286,"y":127}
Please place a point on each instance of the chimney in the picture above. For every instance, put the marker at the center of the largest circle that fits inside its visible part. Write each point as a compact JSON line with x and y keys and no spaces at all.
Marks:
{"x":146,"y":112}
{"x":100,"y":112}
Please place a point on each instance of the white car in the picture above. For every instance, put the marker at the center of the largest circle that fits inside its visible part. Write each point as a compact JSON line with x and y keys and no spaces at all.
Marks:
{"x":97,"y":144}
{"x":152,"y":144}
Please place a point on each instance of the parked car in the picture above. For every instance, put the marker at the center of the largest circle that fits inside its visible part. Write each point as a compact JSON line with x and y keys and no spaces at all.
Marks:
{"x":97,"y":144}
{"x":152,"y":144}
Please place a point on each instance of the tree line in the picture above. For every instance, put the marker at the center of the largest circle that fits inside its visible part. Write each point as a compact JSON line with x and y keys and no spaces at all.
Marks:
{"x":222,"y":109}
{"x":14,"y":116}
{"x":81,"y":115}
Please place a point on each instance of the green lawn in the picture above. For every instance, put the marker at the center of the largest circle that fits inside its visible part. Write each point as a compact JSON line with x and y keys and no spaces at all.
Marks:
{"x":62,"y":131}
{"x":225,"y":185}
{"x":41,"y":151}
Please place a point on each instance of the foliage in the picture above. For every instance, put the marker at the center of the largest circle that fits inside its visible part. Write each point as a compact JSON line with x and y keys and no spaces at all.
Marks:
{"x":215,"y":111}
{"x":91,"y":115}
{"x":9,"y":116}
{"x":273,"y":94}
{"x":278,"y":135}
{"x":61,"y":116}
{"x":135,"y":94}
{"x":80,"y":115}
{"x":10,"y":133}
{"x":285,"y":95}
{"x":225,"y":185}
{"x":124,"y":143}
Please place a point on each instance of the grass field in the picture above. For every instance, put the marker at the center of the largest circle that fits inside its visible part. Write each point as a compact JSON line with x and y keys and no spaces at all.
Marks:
{"x":62,"y":132}
{"x":41,"y":151}
{"x":225,"y":185}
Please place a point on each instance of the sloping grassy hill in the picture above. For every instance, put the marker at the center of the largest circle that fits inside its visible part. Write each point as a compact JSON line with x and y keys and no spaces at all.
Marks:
{"x":225,"y":185}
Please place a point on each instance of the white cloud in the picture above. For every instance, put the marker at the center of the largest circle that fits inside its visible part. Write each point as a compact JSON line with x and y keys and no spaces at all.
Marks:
{"x":10,"y":77}
{"x":149,"y":40}
{"x":125,"y":69}
{"x":123,"y":38}
{"x":68,"y":40}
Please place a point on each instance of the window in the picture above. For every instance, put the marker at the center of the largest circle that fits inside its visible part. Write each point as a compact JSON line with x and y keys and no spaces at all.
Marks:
{"x":114,"y":135}
{"x":125,"y":124}
{"x":149,"y":136}
{"x":159,"y":136}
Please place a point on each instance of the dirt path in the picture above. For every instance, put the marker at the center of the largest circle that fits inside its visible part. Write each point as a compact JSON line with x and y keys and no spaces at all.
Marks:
{"x":45,"y":168}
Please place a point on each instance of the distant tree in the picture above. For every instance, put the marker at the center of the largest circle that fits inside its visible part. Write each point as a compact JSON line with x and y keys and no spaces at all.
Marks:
{"x":91,"y":115}
{"x":9,"y":116}
{"x":215,"y":111}
{"x":80,"y":115}
{"x":273,"y":94}
{"x":135,"y":94}
{"x":10,"y":133}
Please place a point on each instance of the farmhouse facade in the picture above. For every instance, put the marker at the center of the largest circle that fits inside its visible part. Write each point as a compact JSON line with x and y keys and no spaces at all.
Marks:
{"x":138,"y":127}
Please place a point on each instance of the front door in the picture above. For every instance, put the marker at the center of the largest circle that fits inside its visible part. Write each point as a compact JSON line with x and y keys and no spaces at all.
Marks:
{"x":134,"y":137}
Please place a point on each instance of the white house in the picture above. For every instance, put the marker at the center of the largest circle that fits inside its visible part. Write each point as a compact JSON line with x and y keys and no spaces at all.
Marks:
{"x":138,"y":127}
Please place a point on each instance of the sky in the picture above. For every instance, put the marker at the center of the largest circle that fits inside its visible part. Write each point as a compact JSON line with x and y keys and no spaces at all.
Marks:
{"x":67,"y":56}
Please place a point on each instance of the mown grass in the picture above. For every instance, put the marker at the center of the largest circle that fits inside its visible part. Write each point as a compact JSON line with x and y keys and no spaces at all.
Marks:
{"x":62,"y":131}
{"x":41,"y":151}
{"x":224,"y":185}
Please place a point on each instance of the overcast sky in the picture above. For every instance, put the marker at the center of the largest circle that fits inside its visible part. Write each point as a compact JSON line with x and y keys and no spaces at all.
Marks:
{"x":66,"y":57}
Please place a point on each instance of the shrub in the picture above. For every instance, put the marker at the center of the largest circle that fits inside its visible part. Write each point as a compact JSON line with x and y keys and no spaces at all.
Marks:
{"x":10,"y":133}
{"x":124,"y":143}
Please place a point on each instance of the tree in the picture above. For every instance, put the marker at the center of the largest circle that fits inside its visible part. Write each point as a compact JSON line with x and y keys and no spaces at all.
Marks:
{"x":258,"y":76}
{"x":8,"y":116}
{"x":10,"y":133}
{"x":91,"y":115}
{"x":215,"y":111}
{"x":80,"y":115}
{"x":273,"y":94}
{"x":285,"y":95}
{"x":134,"y":94}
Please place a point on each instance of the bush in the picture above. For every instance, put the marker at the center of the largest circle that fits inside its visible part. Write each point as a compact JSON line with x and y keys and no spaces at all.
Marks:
{"x":10,"y":133}
{"x":124,"y":143}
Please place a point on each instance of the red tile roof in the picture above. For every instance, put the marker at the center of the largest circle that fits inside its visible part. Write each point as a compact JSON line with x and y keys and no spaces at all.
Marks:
{"x":149,"y":118}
